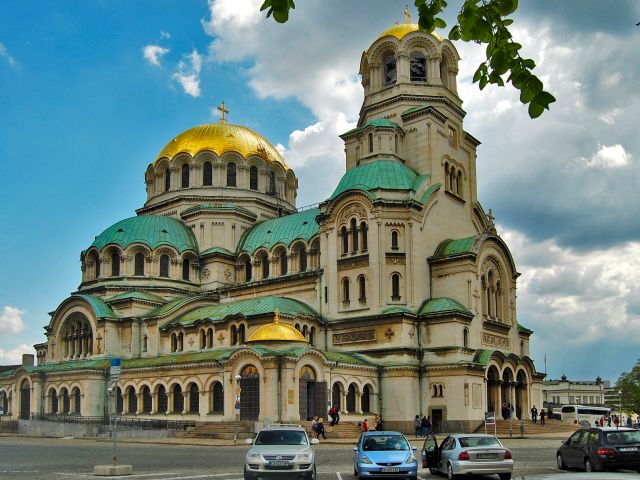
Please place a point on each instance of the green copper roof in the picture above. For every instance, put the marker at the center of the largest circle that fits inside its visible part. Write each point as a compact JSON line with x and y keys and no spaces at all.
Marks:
{"x":178,"y":358}
{"x":220,"y":250}
{"x":150,"y":230}
{"x":483,"y":356}
{"x":169,"y":307}
{"x":378,"y":122}
{"x":286,"y":229}
{"x":443,"y":305}
{"x":450,"y":248}
{"x":523,"y":328}
{"x":138,"y":296}
{"x":428,"y":192}
{"x":379,"y":175}
{"x":247,"y":308}
{"x":219,"y":208}
{"x":343,"y":357}
{"x":415,"y":109}
{"x":397,"y":309}
{"x":100,"y":308}
{"x":98,"y":364}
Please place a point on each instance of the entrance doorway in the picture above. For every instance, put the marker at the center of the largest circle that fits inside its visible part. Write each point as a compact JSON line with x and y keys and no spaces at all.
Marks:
{"x":250,"y":393}
{"x":436,"y":419}
{"x":25,"y":400}
{"x":312,"y":395}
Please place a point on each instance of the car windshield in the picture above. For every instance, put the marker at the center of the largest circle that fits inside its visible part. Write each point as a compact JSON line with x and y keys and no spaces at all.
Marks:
{"x":385,"y":442}
{"x":622,"y":437}
{"x":281,"y":437}
{"x":467,"y":442}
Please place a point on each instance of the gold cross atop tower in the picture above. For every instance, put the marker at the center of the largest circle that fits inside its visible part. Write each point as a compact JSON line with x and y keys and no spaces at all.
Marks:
{"x":407,"y":15}
{"x":276,"y":317}
{"x":223,"y":110}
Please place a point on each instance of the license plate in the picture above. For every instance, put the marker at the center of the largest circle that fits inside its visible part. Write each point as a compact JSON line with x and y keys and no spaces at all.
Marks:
{"x":628,"y":449}
{"x":486,"y":456}
{"x":390,"y":469}
{"x":277,"y":463}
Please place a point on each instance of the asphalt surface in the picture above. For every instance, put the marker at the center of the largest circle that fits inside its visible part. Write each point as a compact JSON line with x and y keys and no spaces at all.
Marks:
{"x":49,"y":458}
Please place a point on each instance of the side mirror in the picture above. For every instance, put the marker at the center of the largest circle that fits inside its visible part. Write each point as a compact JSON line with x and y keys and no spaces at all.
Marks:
{"x":355,"y":449}
{"x":315,"y":441}
{"x":248,"y":441}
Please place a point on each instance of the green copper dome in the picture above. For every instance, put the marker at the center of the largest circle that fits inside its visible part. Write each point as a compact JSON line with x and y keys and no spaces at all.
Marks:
{"x":150,"y":230}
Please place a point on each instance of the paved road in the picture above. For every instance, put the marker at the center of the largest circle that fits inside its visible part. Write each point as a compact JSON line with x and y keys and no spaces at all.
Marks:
{"x":60,"y":459}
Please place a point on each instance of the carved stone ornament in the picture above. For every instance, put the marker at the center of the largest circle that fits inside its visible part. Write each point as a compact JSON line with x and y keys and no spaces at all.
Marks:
{"x":395,"y":260}
{"x":227,"y":273}
{"x":354,"y":337}
{"x":351,"y":211}
{"x":206,"y":272}
{"x":495,"y":340}
{"x":349,"y":263}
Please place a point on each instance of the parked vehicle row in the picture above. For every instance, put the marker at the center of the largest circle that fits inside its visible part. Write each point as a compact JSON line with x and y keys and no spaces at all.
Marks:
{"x":284,"y":451}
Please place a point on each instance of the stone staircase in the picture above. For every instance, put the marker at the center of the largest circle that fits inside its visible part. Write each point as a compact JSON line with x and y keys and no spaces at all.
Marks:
{"x":530,"y":428}
{"x":245,"y":429}
{"x":342,"y":430}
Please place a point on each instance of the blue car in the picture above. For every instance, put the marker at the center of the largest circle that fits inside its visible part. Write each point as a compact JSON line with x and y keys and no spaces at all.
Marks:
{"x":384,"y":454}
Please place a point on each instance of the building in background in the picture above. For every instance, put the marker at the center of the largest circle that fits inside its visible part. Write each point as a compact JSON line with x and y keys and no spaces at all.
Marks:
{"x":573,"y":392}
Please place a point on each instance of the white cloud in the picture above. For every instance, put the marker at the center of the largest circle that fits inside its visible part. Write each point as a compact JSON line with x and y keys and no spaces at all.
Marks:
{"x":188,"y":74}
{"x":4,"y":53}
{"x":610,"y":157}
{"x":164,"y":35}
{"x":153,"y":53}
{"x":13,"y":356}
{"x":11,"y":321}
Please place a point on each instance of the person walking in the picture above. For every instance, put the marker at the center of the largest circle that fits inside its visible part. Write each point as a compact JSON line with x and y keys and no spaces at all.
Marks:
{"x":416,"y":425}
{"x":534,"y":414}
{"x":616,"y":421}
{"x":314,"y":425}
{"x":332,"y":414}
{"x":543,"y":414}
{"x":320,"y":430}
{"x":377,"y":423}
{"x":365,"y":427}
{"x":337,"y":414}
{"x":427,"y":427}
{"x":423,"y":426}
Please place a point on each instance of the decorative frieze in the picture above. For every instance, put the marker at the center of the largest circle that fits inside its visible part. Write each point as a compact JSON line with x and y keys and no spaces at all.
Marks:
{"x":353,"y":262}
{"x":495,"y":340}
{"x":354,"y":337}
{"x":395,"y":259}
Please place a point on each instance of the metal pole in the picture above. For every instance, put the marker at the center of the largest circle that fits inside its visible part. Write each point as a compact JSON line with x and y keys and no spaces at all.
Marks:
{"x":114,"y":427}
{"x":620,"y":415}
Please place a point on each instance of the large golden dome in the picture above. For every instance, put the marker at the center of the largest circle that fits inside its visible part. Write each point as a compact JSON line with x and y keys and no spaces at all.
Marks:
{"x":276,"y":332}
{"x":401,"y":29}
{"x":221,"y":138}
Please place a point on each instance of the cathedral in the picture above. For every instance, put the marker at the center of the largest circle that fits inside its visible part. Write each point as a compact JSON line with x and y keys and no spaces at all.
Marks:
{"x":394,"y":296}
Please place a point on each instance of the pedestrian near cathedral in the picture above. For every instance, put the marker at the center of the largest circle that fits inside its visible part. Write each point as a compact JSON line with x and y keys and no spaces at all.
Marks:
{"x":314,"y":425}
{"x":320,"y":429}
{"x":534,"y":414}
{"x":543,"y":414}
{"x":417,"y":425}
{"x":365,"y":427}
{"x":426,"y":426}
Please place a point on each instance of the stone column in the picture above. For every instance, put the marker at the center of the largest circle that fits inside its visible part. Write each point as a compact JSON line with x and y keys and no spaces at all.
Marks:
{"x":140,"y":402}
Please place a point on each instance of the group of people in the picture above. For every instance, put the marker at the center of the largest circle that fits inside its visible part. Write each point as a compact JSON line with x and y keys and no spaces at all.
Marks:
{"x":422,"y":426}
{"x":534,"y":415}
{"x":317,"y":424}
{"x":377,"y":424}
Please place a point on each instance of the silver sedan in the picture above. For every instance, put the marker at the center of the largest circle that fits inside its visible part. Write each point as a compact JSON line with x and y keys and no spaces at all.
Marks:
{"x":459,"y":454}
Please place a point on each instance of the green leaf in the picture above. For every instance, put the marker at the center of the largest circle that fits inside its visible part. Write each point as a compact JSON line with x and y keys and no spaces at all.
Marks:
{"x":440,"y":23}
{"x":483,"y":82}
{"x":544,"y":99}
{"x":281,"y":16}
{"x":526,"y":95}
{"x":454,"y":34}
{"x":265,"y":5}
{"x":535,"y":110}
{"x":506,"y":7}
{"x":477,"y":75}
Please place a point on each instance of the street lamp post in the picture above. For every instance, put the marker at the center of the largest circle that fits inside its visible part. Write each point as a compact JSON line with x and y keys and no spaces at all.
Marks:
{"x":237,"y":407}
{"x":620,"y":414}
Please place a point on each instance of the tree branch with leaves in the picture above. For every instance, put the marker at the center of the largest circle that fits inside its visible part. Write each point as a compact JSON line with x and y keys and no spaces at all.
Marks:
{"x":479,"y":21}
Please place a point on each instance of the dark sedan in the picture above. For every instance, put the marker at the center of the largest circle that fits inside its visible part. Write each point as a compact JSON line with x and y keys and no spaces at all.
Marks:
{"x":604,"y":448}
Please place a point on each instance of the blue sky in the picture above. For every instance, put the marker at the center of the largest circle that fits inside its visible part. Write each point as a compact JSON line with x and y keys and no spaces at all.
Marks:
{"x":92,"y":91}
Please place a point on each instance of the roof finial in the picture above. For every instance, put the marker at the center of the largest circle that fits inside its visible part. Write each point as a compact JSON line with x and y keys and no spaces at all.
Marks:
{"x":276,"y":318}
{"x":223,"y":110}
{"x":407,"y":15}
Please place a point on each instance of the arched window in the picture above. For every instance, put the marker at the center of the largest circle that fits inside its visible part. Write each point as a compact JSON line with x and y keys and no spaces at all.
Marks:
{"x":96,"y":263}
{"x":163,"y":399}
{"x":66,"y":403}
{"x":180,"y":341}
{"x":365,"y":401}
{"x":345,"y":290}
{"x":178,"y":399}
{"x":119,"y":401}
{"x":248,"y":269}
{"x":302,"y":258}
{"x":54,"y":400}
{"x":218,"y":398}
{"x":147,"y":402}
{"x":395,"y":287}
{"x":241,"y":334}
{"x":210,"y":338}
{"x":362,"y":288}
{"x":234,"y":335}
{"x":207,"y":174}
{"x":164,"y":265}
{"x":167,"y":180}
{"x":203,"y":339}
{"x":394,"y":240}
{"x":305,"y":331}
{"x":312,"y":336}
{"x":444,"y":73}
{"x":194,"y":398}
{"x":459,"y":183}
{"x":75,"y":393}
{"x":253,"y":178}
{"x":145,"y":343}
{"x":485,"y":296}
{"x":185,"y":176}
{"x":115,"y":264}
{"x":395,"y":143}
{"x":185,"y":269}
{"x":363,"y":235}
{"x":351,"y":399}
{"x":345,"y":240}
{"x":389,"y":69}
{"x":354,"y":235}
{"x":284,"y":265}
{"x":370,"y":140}
{"x":271,"y":183}
{"x":231,"y":174}
{"x":490,"y":295}
{"x":77,"y":336}
{"x":265,"y":266}
{"x":465,"y":338}
{"x":174,"y":342}
{"x":133,"y":401}
{"x":138,"y":264}
{"x":418,"y":67}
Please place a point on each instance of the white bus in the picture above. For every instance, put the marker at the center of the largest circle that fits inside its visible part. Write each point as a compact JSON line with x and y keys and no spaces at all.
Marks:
{"x":578,"y":413}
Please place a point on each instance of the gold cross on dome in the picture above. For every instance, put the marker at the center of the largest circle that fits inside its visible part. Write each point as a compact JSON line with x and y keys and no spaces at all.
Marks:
{"x":277,"y":315}
{"x":222,"y":110}
{"x":407,"y":15}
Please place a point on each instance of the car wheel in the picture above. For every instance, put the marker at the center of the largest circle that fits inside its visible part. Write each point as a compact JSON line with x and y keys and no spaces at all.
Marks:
{"x":589,"y":466}
{"x":314,"y":475}
{"x":247,"y":475}
{"x":504,"y":476}
{"x":561,"y":464}
{"x":355,"y":472}
{"x":450,"y":474}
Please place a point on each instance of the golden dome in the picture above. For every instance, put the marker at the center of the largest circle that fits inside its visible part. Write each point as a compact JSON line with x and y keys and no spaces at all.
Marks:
{"x":401,"y":29}
{"x":276,"y":331}
{"x":221,"y":138}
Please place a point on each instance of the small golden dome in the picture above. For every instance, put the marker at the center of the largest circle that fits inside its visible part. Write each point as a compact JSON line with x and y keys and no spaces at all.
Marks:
{"x":278,"y":332}
{"x":222,"y":138}
{"x":401,"y":29}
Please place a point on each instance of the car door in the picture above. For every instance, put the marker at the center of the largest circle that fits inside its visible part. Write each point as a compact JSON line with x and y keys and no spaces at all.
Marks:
{"x":356,"y":452}
{"x":572,"y":454}
{"x":430,"y":452}
{"x":445,"y":452}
